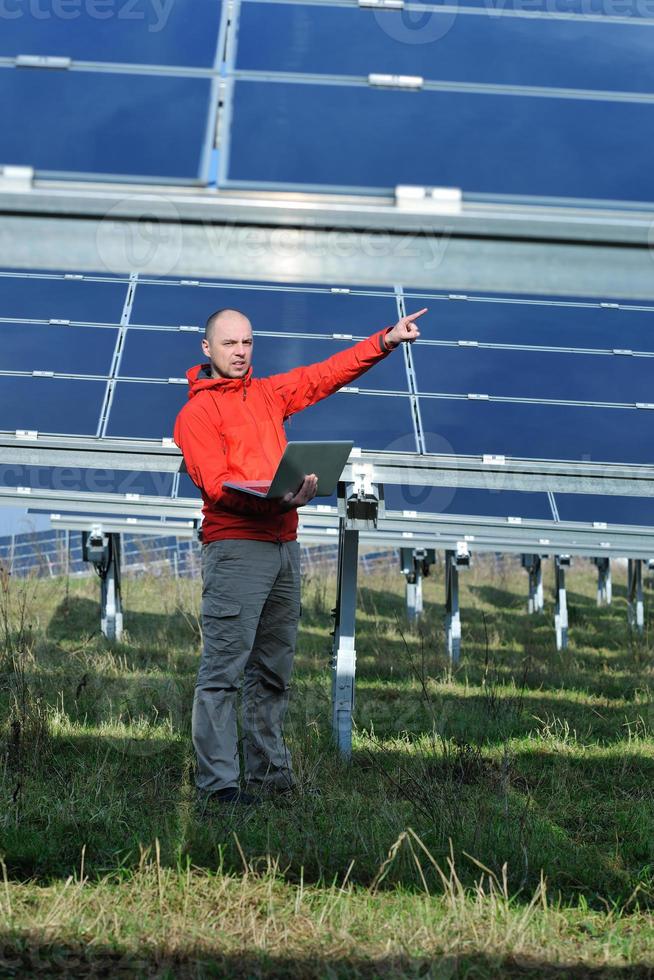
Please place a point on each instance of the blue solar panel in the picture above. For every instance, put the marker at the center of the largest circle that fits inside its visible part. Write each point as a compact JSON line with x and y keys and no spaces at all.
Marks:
{"x":112,"y":124}
{"x":481,"y":48}
{"x":175,"y":32}
{"x":54,"y":405}
{"x":42,"y":347}
{"x":610,"y":509}
{"x":540,"y":432}
{"x":499,"y":321}
{"x":267,"y":309}
{"x":462,"y":501}
{"x":71,"y":479}
{"x":29,"y":298}
{"x":145,"y":411}
{"x":373,"y":421}
{"x":583,"y":377}
{"x":342,"y":136}
{"x":149,"y":353}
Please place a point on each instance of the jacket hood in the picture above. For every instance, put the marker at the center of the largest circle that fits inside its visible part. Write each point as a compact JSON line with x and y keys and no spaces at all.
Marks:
{"x":199,"y":379}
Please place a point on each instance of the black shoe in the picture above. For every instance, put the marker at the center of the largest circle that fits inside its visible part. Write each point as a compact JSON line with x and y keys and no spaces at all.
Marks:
{"x":232,"y":795}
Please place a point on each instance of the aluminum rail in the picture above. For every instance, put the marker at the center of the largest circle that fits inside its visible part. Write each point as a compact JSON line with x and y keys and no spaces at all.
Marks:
{"x":289,"y":237}
{"x":128,"y":525}
{"x":481,"y":533}
{"x":400,"y":469}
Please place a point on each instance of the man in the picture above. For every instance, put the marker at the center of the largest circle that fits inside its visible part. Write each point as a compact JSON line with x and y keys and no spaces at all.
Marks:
{"x":232,"y":429}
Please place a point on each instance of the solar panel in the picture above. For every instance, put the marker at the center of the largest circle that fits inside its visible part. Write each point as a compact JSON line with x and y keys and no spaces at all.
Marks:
{"x":177,"y":32}
{"x":537,"y":322}
{"x":479,"y":427}
{"x":461,"y":501}
{"x":46,"y":347}
{"x":533,"y":374}
{"x":162,"y":355}
{"x":91,"y":481}
{"x":303,"y":308}
{"x":45,"y":296}
{"x":145,"y":411}
{"x":347,"y":137}
{"x":610,"y":509}
{"x":465,"y":47}
{"x":56,"y":405}
{"x":107,"y":124}
{"x":380,"y":420}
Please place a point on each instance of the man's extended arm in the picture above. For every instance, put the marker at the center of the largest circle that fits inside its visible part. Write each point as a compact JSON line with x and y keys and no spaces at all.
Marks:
{"x":304,"y":386}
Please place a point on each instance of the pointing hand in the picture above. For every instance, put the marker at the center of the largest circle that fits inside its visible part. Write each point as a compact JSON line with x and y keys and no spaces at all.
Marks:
{"x":405,"y":330}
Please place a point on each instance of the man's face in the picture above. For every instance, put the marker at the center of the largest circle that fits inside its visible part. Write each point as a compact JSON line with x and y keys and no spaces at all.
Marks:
{"x":229,"y":346}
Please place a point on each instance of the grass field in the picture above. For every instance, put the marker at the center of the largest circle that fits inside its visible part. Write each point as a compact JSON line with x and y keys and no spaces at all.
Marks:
{"x":497,"y":820}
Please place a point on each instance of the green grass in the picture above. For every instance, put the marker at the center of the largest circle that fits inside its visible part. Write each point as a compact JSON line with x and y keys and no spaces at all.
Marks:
{"x":495,"y":820}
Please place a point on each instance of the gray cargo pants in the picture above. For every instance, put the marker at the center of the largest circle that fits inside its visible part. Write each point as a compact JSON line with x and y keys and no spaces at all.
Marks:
{"x":250,"y":612}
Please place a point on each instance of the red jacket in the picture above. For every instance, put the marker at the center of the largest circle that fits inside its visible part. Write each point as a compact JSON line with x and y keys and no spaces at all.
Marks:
{"x":232,"y":429}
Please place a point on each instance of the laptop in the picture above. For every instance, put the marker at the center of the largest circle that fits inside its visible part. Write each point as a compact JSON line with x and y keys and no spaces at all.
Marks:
{"x":325,"y":459}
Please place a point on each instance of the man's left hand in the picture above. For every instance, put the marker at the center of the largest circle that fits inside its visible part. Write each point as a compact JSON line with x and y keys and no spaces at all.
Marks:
{"x":405,"y":331}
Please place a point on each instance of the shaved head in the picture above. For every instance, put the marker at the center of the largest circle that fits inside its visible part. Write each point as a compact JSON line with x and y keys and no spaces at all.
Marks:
{"x":226,"y":315}
{"x":228,"y":343}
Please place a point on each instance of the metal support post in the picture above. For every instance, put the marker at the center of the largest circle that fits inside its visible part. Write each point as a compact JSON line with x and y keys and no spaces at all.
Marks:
{"x":534,"y":567}
{"x":103,"y":551}
{"x":635,"y":603}
{"x":604,"y":585}
{"x":359,"y":505}
{"x":415,"y":564}
{"x":344,"y":658}
{"x":561,"y":562}
{"x":453,"y":561}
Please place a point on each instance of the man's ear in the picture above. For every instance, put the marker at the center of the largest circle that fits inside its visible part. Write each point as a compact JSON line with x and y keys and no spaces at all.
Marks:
{"x":205,"y":347}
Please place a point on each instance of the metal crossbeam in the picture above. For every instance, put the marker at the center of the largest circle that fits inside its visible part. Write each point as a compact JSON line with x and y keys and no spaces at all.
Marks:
{"x":400,"y":469}
{"x":423,"y":531}
{"x":128,"y":525}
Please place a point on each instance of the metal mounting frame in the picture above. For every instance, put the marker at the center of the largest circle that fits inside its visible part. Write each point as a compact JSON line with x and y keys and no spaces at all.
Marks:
{"x":561,"y":562}
{"x":454,"y":559}
{"x":604,"y":582}
{"x":534,"y":566}
{"x":415,"y":564}
{"x":399,"y":468}
{"x":103,"y":551}
{"x":635,"y":598}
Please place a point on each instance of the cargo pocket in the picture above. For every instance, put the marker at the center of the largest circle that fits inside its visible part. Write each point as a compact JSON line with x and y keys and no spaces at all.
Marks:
{"x":223,"y":643}
{"x":214,"y":606}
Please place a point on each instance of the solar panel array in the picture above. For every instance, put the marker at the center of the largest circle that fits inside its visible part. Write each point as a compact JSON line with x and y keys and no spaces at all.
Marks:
{"x":106,"y":357}
{"x":496,"y":99}
{"x":506,"y":100}
{"x":125,"y":92}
